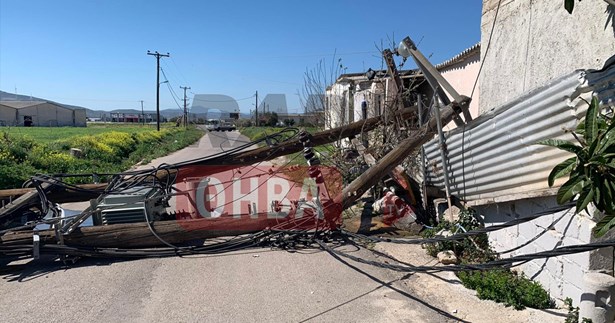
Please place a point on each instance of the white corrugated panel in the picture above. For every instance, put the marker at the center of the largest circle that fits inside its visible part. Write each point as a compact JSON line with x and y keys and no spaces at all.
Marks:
{"x":496,"y":155}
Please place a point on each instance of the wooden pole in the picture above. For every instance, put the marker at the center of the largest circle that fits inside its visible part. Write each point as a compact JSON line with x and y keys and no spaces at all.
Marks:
{"x":242,"y":159}
{"x":320,"y":138}
{"x":370,"y":177}
{"x":134,"y":235}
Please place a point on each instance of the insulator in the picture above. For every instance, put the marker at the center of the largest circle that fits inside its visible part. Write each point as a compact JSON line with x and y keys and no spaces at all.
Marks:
{"x":308,"y":153}
{"x":304,"y":137}
{"x":314,"y":161}
{"x":314,"y":172}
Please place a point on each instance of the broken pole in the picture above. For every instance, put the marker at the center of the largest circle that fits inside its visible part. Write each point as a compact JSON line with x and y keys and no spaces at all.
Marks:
{"x":292,"y":146}
{"x":375,"y":173}
{"x":245,"y":158}
{"x":442,"y":145}
{"x":423,"y":172}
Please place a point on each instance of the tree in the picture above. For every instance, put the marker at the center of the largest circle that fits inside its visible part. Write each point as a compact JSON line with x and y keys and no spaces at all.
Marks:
{"x":315,"y":83}
{"x":592,"y":170}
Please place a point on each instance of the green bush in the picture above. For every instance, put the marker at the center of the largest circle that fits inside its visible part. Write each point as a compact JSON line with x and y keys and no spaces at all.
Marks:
{"x":503,"y":286}
{"x":469,"y":250}
{"x":109,"y":152}
{"x":15,"y":175}
{"x":500,"y":285}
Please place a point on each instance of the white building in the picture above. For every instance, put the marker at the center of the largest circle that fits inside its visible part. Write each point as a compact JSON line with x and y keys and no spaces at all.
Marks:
{"x":40,"y":114}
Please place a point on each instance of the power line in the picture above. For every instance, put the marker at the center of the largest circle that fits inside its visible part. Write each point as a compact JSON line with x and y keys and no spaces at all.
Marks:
{"x":173,"y":94}
{"x":179,"y":71}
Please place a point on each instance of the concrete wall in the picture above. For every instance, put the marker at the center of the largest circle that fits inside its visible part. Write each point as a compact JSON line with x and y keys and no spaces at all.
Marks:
{"x":535,"y":41}
{"x":561,"y":276}
{"x":462,"y":76}
{"x":64,"y":117}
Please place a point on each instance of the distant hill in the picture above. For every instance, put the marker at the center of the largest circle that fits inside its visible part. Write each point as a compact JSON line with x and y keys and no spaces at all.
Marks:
{"x":90,"y":113}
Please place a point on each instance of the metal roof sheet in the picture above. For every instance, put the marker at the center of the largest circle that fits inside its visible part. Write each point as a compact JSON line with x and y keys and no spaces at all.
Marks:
{"x":496,"y":157}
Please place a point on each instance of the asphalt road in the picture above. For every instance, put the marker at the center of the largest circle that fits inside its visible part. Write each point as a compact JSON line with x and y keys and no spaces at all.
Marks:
{"x":256,"y":285}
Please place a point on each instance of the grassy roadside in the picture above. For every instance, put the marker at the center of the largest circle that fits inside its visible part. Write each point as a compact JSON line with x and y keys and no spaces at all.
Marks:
{"x":111,"y":151}
{"x":255,"y":133}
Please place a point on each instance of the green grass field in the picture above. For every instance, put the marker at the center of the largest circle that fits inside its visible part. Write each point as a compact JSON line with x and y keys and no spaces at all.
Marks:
{"x":49,"y":134}
{"x":108,"y":148}
{"x":296,"y":158}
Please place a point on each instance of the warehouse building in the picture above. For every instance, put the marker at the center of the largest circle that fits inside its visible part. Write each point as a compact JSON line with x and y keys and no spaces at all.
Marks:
{"x":40,"y":114}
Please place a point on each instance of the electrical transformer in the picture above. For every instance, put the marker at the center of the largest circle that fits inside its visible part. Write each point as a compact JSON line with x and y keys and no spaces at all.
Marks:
{"x":130,"y":205}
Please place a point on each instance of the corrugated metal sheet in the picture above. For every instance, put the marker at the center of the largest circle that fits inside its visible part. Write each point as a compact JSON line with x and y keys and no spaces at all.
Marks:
{"x":497,"y":156}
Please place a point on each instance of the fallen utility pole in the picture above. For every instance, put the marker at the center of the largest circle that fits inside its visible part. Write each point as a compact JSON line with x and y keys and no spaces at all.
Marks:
{"x":58,"y":195}
{"x":319,"y":138}
{"x":140,"y":235}
{"x":135,"y":235}
{"x":375,"y":173}
{"x":249,"y":157}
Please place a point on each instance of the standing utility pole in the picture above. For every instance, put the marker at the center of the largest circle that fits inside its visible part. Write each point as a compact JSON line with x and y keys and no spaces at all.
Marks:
{"x":256,"y":106}
{"x":142,"y":114}
{"x":185,"y":110}
{"x":158,"y":55}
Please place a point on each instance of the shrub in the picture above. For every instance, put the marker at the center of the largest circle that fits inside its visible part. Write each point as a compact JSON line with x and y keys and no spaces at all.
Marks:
{"x":15,"y":175}
{"x":500,"y":285}
{"x":110,"y":152}
{"x":469,"y":250}
{"x":121,"y":143}
{"x":52,"y":161}
{"x":503,"y":286}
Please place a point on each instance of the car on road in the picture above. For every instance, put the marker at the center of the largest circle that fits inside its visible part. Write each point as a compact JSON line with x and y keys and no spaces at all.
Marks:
{"x":225,"y":126}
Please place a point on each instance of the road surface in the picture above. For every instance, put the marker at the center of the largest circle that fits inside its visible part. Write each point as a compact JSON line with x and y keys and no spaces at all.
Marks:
{"x":256,"y":285}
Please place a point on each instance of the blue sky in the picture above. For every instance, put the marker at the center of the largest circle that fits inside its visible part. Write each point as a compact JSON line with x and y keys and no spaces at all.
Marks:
{"x":93,"y":53}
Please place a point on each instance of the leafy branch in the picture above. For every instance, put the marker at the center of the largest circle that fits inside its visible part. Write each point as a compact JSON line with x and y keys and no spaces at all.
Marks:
{"x":592,"y":170}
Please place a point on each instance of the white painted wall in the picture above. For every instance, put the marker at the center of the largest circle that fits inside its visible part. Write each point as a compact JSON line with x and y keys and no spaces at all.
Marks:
{"x":336,"y":105}
{"x":561,"y":276}
{"x":535,"y":41}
